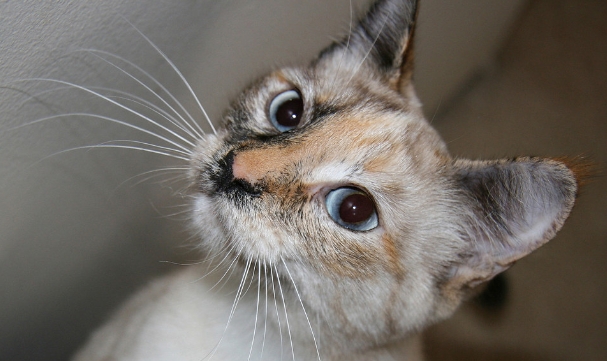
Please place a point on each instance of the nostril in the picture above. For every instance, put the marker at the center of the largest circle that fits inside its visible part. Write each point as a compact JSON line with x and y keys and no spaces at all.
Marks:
{"x":223,"y":177}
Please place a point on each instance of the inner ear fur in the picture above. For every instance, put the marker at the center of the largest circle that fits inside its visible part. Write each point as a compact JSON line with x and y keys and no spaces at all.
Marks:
{"x":383,"y":39}
{"x":512,"y":207}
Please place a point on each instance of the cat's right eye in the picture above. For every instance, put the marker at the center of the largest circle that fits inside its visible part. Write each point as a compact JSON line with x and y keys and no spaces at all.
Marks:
{"x":286,"y":110}
{"x":352,"y":208}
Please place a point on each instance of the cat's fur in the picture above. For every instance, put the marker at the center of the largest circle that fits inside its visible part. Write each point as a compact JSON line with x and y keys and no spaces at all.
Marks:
{"x":287,"y":280}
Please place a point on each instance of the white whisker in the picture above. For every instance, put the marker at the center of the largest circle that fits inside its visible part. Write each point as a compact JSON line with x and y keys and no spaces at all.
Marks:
{"x":182,"y":264}
{"x":284,"y":303}
{"x":110,"y":119}
{"x":256,"y":309}
{"x":185,"y":82}
{"x":341,"y":59}
{"x":265,"y":322}
{"x":276,"y":308}
{"x":89,"y":147}
{"x":368,"y":51}
{"x":302,"y":307}
{"x":224,"y":274}
{"x":153,"y":173}
{"x":118,"y":104}
{"x":224,"y":250}
{"x":120,"y":146}
{"x":150,"y":106}
{"x":175,"y":214}
{"x":36,"y":96}
{"x":250,"y":283}
{"x":150,"y":145}
{"x":233,"y":309}
{"x":198,"y":132}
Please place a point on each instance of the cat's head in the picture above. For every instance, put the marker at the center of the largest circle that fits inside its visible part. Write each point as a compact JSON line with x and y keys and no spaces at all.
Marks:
{"x":330,"y":175}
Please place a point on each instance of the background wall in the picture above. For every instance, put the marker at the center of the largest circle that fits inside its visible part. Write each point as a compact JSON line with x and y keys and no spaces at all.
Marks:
{"x":77,"y":232}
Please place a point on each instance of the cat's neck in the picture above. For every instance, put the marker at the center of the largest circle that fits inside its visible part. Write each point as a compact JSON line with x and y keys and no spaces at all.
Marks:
{"x":280,"y":318}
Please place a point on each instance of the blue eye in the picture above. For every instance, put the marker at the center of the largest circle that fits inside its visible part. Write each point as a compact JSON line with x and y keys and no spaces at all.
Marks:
{"x":351,"y":208}
{"x":286,"y":110}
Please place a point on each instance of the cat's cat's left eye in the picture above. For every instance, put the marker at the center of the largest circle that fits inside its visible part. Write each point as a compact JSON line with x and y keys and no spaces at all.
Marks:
{"x":352,"y":208}
{"x":286,"y":109}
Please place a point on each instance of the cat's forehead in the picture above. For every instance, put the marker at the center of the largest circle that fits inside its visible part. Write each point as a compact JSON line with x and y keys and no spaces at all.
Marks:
{"x":348,"y":130}
{"x":337,"y":89}
{"x":350,"y":124}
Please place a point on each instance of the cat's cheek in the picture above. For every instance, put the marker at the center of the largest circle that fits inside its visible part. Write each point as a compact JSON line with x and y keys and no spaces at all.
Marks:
{"x":206,"y":221}
{"x":247,"y":232}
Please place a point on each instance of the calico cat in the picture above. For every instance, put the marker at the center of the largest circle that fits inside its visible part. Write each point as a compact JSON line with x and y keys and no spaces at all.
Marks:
{"x":337,"y":224}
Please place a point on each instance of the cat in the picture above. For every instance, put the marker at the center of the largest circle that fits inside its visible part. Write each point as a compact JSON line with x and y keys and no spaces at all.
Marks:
{"x":337,"y":224}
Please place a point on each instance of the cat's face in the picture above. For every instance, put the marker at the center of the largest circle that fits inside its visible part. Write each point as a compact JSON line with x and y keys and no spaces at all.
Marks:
{"x":330,"y":176}
{"x":283,"y":194}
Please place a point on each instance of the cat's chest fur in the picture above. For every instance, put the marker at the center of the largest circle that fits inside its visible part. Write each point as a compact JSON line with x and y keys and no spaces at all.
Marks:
{"x":183,"y":317}
{"x":337,"y":224}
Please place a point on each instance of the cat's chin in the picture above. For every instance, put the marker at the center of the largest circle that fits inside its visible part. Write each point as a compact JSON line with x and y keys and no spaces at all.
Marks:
{"x":226,"y":230}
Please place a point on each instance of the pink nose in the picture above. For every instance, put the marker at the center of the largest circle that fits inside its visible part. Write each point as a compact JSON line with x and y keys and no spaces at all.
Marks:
{"x":254,"y":164}
{"x":239,"y":169}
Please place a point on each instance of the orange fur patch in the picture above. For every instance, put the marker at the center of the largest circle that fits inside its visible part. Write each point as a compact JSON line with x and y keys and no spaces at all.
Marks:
{"x":393,"y":256}
{"x":583,"y":169}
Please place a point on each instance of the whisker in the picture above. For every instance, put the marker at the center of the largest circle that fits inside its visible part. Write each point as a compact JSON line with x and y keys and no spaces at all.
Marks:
{"x":198,"y":132}
{"x":89,"y":147}
{"x":440,"y":102}
{"x":175,"y":214}
{"x":227,"y":278}
{"x":185,"y":82}
{"x":276,"y":308}
{"x":120,"y":105}
{"x":341,"y":59}
{"x":233,"y":309}
{"x":182,"y":264}
{"x":256,"y":309}
{"x":150,"y":145}
{"x":224,"y":250}
{"x":282,"y":296}
{"x":265,"y":322}
{"x":368,"y":51}
{"x":302,"y":307}
{"x":152,"y":107}
{"x":224,"y":274}
{"x":113,"y":120}
{"x":250,"y":282}
{"x":154,"y":173}
{"x":38,"y":96}
{"x":120,"y":146}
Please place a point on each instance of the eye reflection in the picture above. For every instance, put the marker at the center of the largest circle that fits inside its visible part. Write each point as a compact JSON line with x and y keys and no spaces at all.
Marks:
{"x":352,"y":208}
{"x":286,"y":110}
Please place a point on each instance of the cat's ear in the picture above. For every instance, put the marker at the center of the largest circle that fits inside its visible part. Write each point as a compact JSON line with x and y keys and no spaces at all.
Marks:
{"x":382,"y":41}
{"x":513,"y":207}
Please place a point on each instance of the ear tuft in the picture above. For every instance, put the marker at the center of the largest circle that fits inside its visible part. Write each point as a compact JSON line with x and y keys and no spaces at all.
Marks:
{"x":383,"y":40}
{"x":583,"y":169}
{"x":386,"y":32}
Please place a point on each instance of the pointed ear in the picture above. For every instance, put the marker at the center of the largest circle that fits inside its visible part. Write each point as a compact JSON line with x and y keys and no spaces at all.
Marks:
{"x":515,"y":206}
{"x":382,"y":40}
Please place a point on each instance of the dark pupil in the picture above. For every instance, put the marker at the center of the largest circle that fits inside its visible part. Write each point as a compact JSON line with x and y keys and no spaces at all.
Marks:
{"x":356,"y":208}
{"x":288,"y":113}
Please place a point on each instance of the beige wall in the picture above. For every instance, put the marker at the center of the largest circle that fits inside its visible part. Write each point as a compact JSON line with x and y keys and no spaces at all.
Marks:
{"x":75,"y":239}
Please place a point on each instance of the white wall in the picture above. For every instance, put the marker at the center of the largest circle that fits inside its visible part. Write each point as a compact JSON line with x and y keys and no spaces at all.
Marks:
{"x":75,"y":234}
